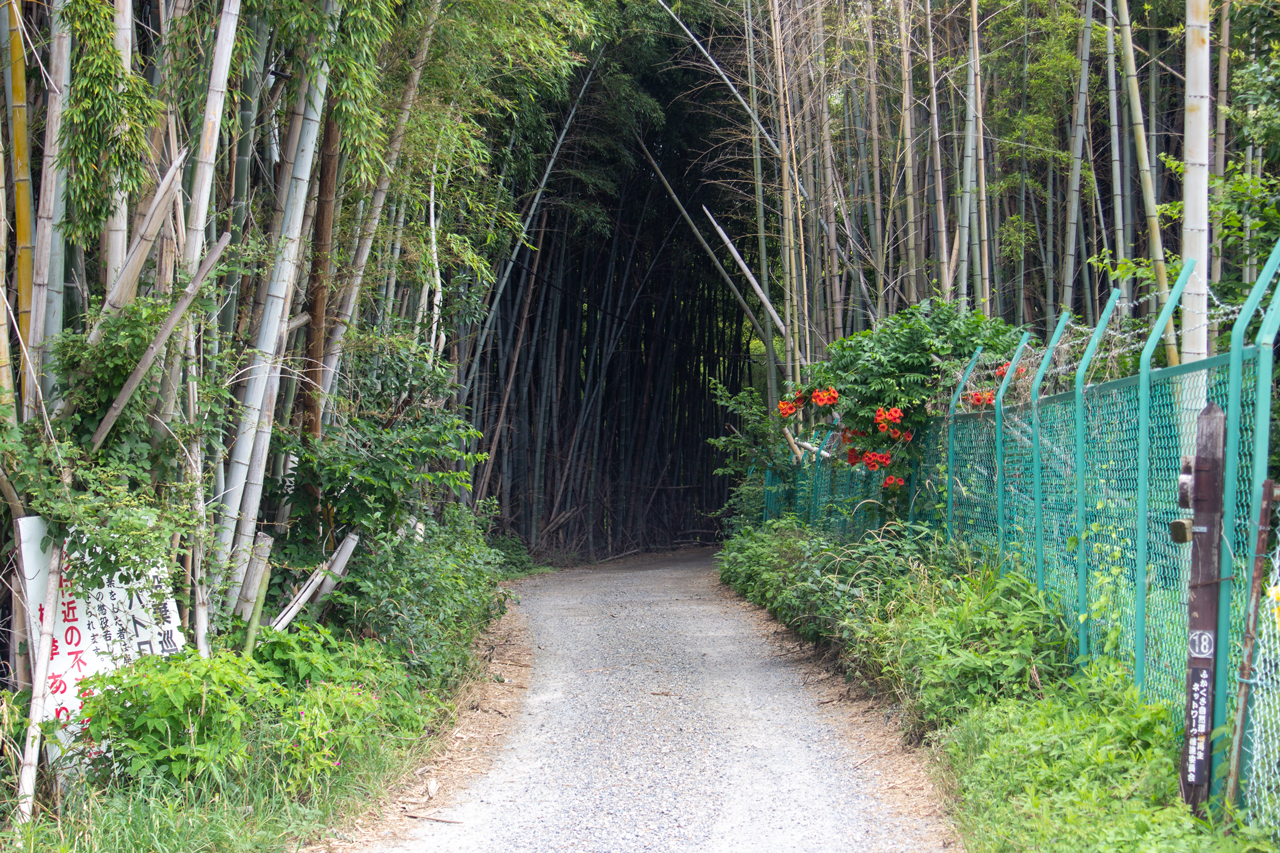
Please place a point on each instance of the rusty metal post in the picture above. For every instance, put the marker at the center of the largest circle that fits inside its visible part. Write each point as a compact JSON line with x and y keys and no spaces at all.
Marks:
{"x":1261,"y":562}
{"x":1200,"y":489}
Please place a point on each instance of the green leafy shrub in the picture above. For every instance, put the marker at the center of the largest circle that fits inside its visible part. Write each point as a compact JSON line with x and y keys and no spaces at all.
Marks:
{"x":978,"y":638}
{"x":1038,"y":759}
{"x":312,"y":655}
{"x":1090,"y":767}
{"x":427,"y":597}
{"x":312,"y":703}
{"x":181,"y":717}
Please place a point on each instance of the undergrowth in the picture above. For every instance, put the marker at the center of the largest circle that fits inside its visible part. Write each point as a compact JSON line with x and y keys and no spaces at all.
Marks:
{"x":1037,"y":754}
{"x":231,"y":754}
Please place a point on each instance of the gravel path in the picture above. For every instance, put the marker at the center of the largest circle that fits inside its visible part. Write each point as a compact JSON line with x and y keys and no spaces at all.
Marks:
{"x":658,"y":717}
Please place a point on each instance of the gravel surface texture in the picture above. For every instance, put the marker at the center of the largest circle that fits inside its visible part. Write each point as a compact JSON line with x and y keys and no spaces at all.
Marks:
{"x":659,"y":717}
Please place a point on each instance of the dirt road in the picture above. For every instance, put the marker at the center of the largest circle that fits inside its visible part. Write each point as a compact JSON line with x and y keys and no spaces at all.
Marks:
{"x":660,"y":716}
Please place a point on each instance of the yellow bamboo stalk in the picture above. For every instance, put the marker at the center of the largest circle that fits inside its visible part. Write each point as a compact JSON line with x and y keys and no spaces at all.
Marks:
{"x":24,"y":210}
{"x":8,"y":412}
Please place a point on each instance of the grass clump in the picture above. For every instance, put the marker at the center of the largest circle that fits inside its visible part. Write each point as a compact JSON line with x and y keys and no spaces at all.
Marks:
{"x":1037,"y":755}
{"x":1088,"y":767}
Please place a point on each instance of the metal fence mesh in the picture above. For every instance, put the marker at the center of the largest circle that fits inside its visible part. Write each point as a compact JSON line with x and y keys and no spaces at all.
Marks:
{"x":1262,"y":757}
{"x":985,"y":479}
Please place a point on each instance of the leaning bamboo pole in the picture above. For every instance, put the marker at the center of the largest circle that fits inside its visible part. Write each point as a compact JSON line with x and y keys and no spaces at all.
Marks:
{"x":50,"y":191}
{"x":935,"y":133}
{"x":1079,"y":129}
{"x":1156,"y":242}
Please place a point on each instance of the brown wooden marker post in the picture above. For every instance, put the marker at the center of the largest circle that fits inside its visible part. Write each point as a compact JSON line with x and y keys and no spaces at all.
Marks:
{"x":1206,"y":482}
{"x":1261,"y":562}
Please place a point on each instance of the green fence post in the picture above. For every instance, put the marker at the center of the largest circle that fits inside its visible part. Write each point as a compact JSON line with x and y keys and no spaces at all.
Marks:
{"x":911,"y":491}
{"x":951,"y":436}
{"x":1266,"y":342}
{"x":1082,"y":558}
{"x":1004,"y":386}
{"x":825,"y":501}
{"x":1037,"y":478}
{"x":1144,"y":472}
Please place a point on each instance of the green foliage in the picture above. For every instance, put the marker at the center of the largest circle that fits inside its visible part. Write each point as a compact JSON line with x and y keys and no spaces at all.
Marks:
{"x":312,"y":702}
{"x":517,"y":562}
{"x":182,"y":717}
{"x":1255,"y":101}
{"x":108,"y":112}
{"x":392,"y":449}
{"x":976,"y":639}
{"x":120,"y":507}
{"x":1090,"y":767}
{"x":900,"y":362}
{"x":913,"y":612}
{"x":1038,"y":758}
{"x":426,"y":597}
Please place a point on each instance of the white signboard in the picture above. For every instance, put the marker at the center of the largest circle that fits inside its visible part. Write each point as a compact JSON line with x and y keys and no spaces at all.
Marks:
{"x":93,"y":631}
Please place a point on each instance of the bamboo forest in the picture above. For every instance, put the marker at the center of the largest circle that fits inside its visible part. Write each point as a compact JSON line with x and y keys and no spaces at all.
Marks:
{"x":343,"y":337}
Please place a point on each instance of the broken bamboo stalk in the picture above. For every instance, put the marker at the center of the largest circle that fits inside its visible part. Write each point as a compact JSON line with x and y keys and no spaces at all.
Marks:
{"x":336,"y":567}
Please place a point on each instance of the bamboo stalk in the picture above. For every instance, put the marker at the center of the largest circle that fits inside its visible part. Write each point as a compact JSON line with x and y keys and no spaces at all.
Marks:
{"x":908,"y":138}
{"x":254,"y":586}
{"x":1077,"y":152}
{"x":255,"y":618}
{"x":1144,"y":172}
{"x":1195,"y":183}
{"x":115,"y":233}
{"x":284,"y":272}
{"x":1220,"y":137}
{"x":940,"y":206}
{"x":40,"y":690}
{"x":51,"y":187}
{"x":206,"y":154}
{"x":23,"y":205}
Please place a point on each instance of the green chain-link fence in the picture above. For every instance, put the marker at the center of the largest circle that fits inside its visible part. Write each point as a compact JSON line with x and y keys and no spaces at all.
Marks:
{"x":1071,"y":478}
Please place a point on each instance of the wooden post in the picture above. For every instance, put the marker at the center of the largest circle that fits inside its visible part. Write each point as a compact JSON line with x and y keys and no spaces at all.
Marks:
{"x":1261,"y":562}
{"x":1200,"y":489}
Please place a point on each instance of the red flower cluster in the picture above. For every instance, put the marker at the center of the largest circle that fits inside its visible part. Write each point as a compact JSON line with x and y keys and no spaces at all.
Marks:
{"x":873,"y":459}
{"x":828,"y":397}
{"x":786,"y":408}
{"x":887,"y":420}
{"x":1003,"y":369}
{"x":892,"y":481}
{"x":982,"y":398}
